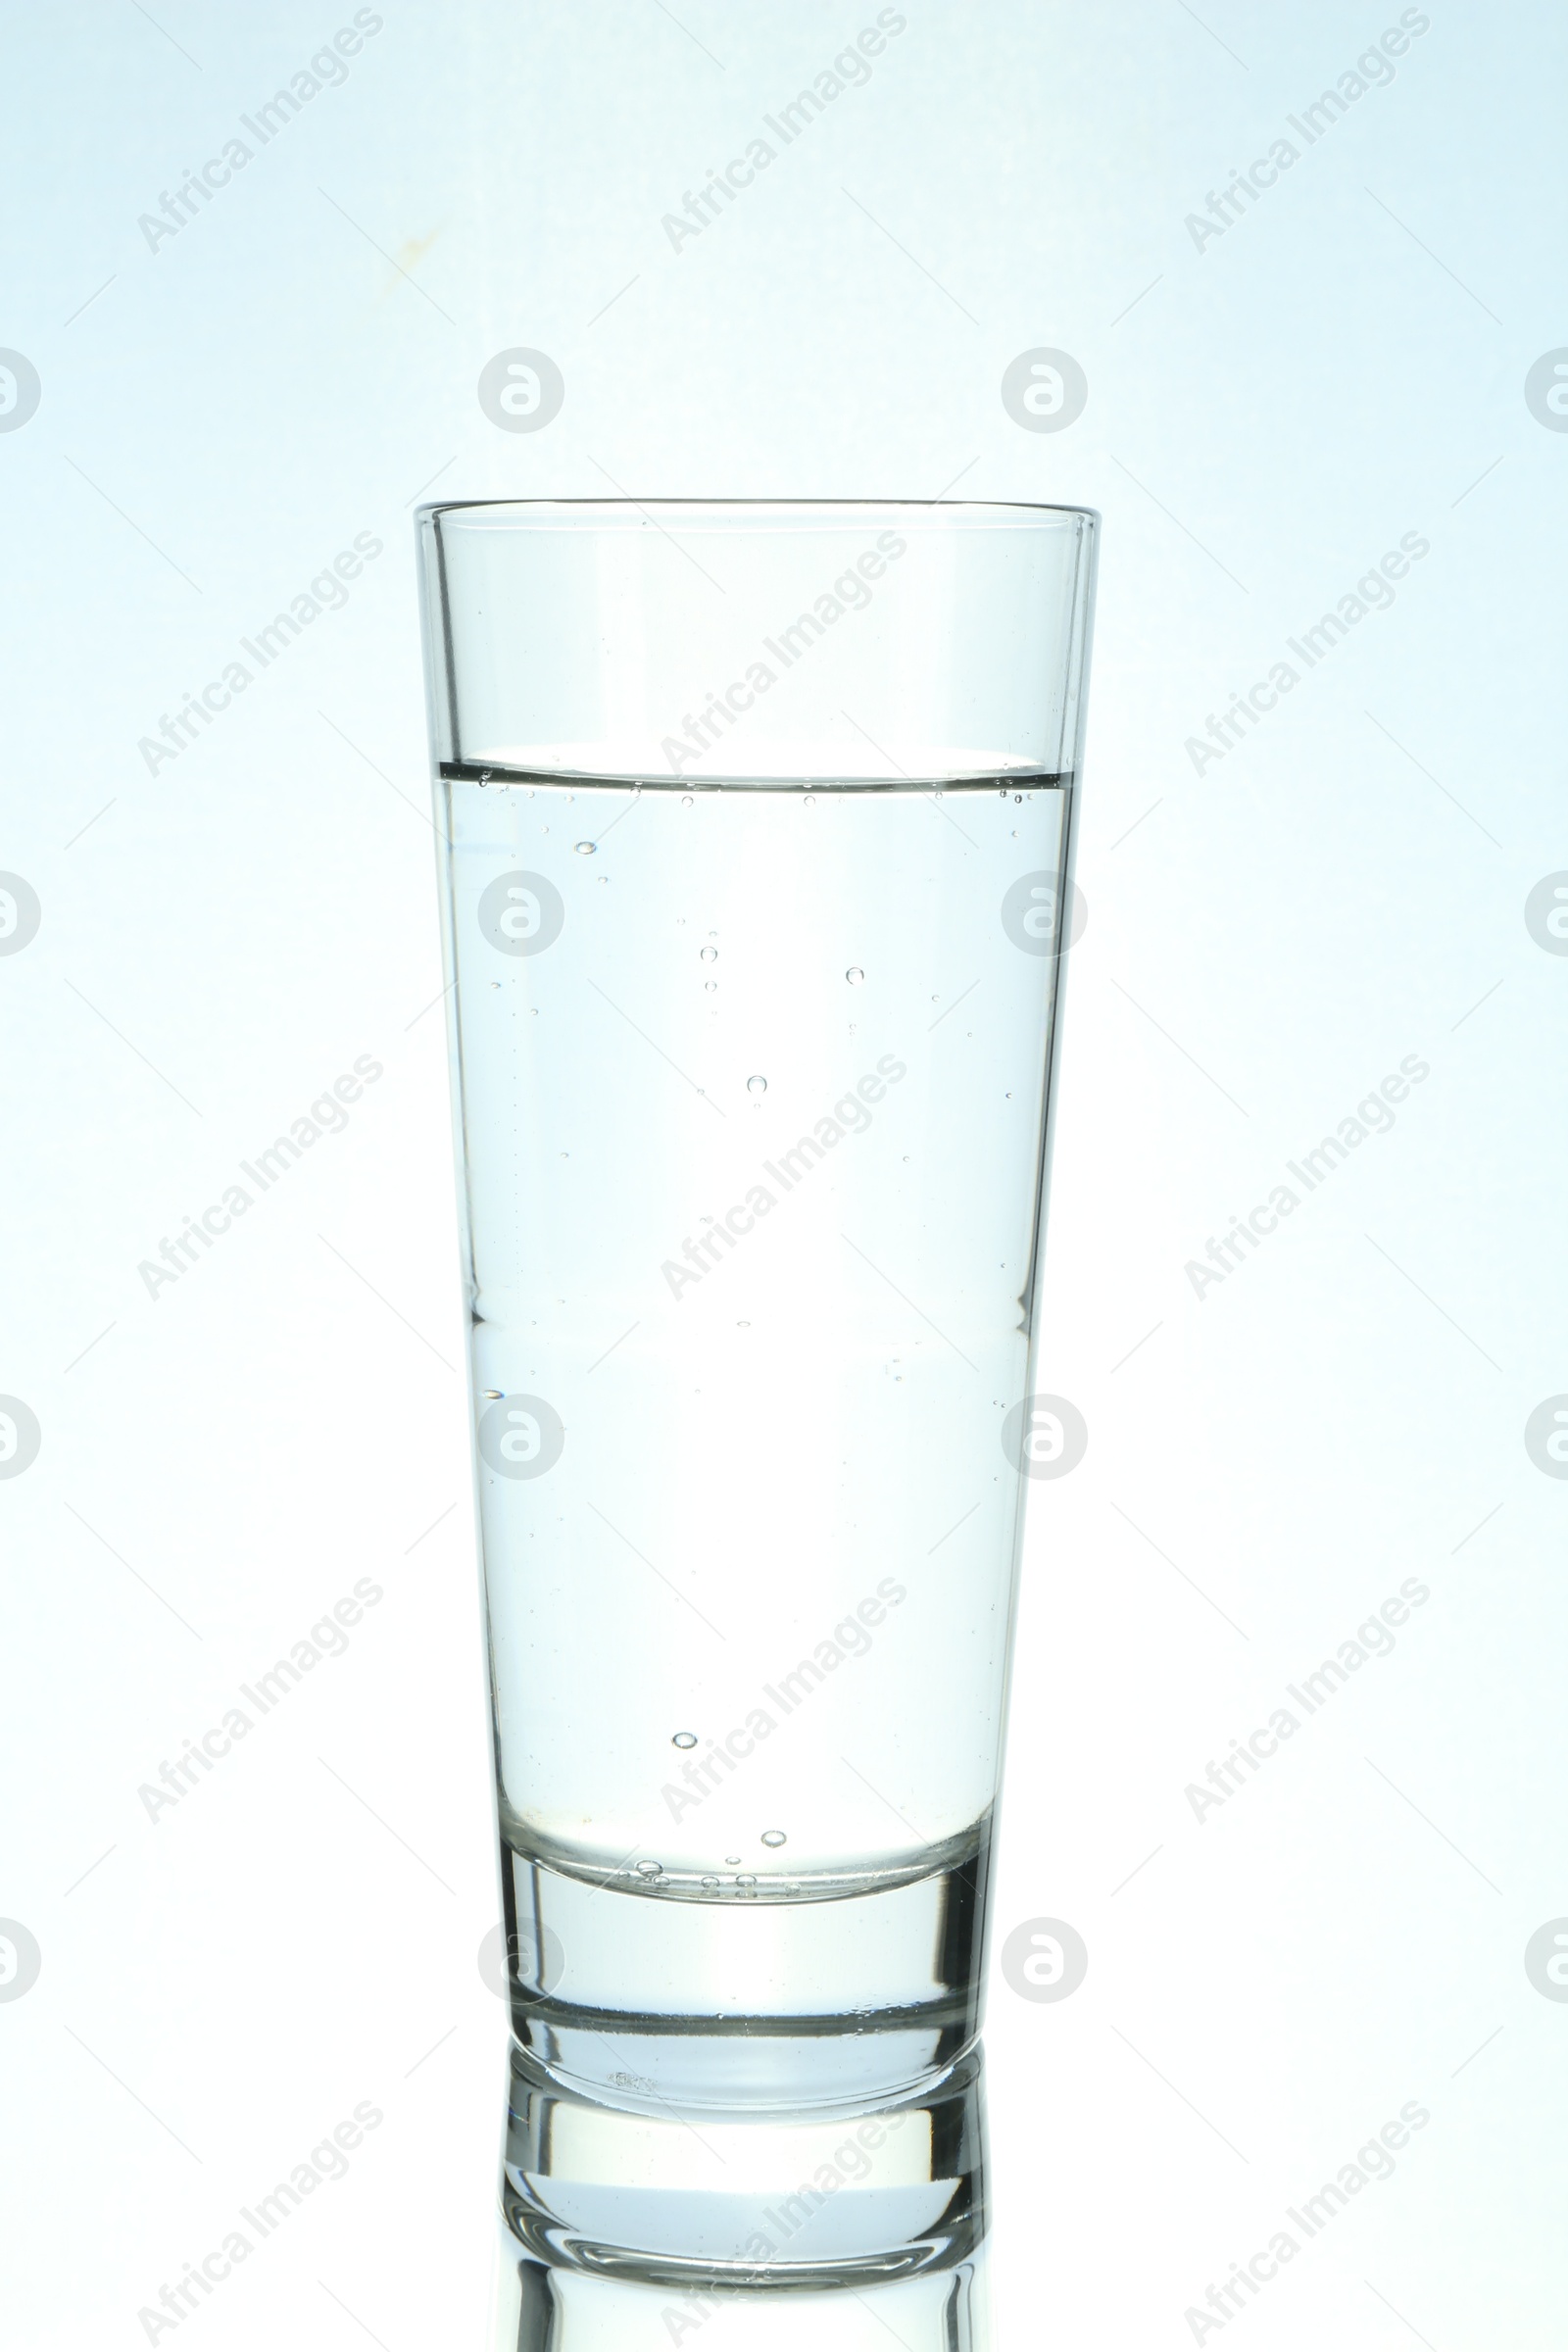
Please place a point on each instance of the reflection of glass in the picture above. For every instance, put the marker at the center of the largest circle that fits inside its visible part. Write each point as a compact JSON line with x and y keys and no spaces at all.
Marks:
{"x":543,"y":2309}
{"x":641,"y":2233}
{"x":757,"y":837}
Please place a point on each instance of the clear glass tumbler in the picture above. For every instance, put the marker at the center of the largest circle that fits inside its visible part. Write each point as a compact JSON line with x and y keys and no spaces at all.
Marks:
{"x":755,"y":830}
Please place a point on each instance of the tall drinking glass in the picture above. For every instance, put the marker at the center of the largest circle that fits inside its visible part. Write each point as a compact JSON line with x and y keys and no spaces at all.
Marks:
{"x":756,"y":835}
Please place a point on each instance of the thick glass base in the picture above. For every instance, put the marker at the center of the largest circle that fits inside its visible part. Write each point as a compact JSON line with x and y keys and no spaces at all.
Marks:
{"x":738,"y":2008}
{"x":741,"y":2208}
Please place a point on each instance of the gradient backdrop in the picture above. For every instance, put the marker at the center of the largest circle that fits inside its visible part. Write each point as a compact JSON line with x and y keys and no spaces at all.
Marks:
{"x":1357,"y":355}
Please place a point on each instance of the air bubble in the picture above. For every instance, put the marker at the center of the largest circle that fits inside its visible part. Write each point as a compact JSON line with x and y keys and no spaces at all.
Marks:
{"x":773,"y":1837}
{"x":708,"y":1885}
{"x":685,"y":800}
{"x":709,"y":955}
{"x":683,"y":1740}
{"x":732,"y":1859}
{"x":585,"y":849}
{"x":810,"y":801}
{"x":756,"y":1086}
{"x":650,"y":1870}
{"x":855,"y":976}
{"x":710,"y":988}
{"x":746,"y":1882}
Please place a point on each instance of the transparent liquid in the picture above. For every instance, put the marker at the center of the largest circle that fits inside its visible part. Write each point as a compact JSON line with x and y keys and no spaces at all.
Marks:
{"x":753,"y":1109}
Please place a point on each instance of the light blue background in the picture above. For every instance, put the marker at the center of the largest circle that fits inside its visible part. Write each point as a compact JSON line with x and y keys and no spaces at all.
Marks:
{"x":1266,"y":417}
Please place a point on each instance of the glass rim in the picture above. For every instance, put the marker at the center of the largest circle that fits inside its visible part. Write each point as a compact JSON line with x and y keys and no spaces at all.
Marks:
{"x":761,"y":513}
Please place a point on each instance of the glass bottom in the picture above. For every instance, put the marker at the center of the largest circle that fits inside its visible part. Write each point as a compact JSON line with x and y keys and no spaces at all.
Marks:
{"x":649,"y":2003}
{"x":737,"y":2210}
